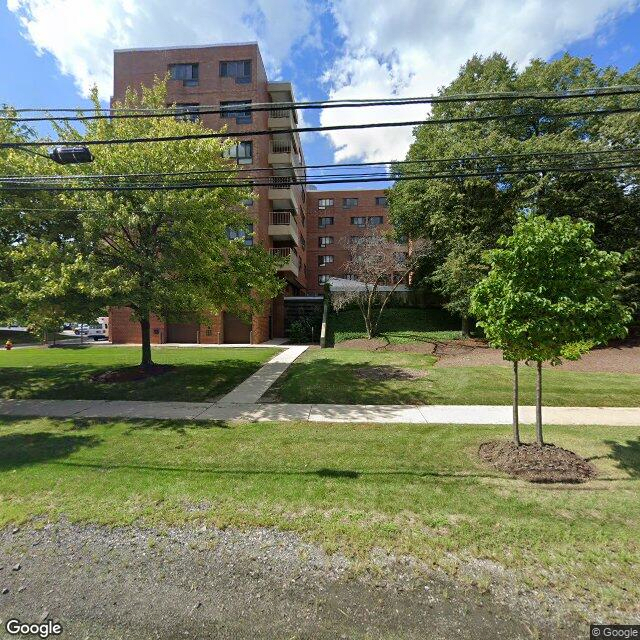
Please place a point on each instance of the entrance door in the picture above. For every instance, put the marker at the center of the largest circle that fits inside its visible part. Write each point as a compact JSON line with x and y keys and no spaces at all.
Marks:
{"x":236,"y":331}
{"x":186,"y":332}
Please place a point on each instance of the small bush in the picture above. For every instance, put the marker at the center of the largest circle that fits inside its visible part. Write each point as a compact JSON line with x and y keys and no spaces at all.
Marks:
{"x":304,"y":330}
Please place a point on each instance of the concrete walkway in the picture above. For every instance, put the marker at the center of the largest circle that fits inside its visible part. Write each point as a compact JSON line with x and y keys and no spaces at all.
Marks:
{"x":255,"y":386}
{"x":250,"y":412}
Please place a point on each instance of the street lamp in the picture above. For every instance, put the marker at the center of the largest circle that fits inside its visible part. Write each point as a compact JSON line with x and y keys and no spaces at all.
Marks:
{"x":70,"y":155}
{"x":63,"y":155}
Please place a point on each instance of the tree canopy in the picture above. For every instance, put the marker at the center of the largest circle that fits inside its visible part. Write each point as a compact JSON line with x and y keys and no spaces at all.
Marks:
{"x":164,"y":252}
{"x":484,"y":208}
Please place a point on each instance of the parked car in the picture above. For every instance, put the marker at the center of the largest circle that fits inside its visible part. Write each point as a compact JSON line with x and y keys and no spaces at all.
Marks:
{"x":97,"y":332}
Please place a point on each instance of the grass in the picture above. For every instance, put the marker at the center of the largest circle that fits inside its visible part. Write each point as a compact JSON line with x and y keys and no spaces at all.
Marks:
{"x":24,"y":337}
{"x":331,"y":376}
{"x":406,"y":489}
{"x":398,"y":325}
{"x":65,"y":373}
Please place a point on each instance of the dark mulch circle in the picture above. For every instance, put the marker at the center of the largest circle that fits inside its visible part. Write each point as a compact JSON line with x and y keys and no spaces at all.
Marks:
{"x":537,"y":464}
{"x":131,"y":374}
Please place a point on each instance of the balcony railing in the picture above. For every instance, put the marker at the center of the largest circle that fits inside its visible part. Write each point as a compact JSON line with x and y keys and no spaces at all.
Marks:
{"x":284,"y":146}
{"x":281,"y":182}
{"x":279,"y":113}
{"x":285,"y":252}
{"x":281,"y":217}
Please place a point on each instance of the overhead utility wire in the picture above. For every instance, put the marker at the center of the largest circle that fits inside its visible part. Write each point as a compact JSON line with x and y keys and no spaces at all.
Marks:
{"x":293,"y":182}
{"x":237,"y":168}
{"x":136,"y":112}
{"x":265,"y":132}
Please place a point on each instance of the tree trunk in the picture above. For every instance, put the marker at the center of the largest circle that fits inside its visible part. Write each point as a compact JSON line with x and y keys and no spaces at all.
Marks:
{"x":516,"y":422}
{"x":465,"y":327}
{"x":539,"y":439}
{"x":145,"y":326}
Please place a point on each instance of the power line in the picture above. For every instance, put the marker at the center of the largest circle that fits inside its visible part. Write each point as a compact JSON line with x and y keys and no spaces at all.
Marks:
{"x":264,"y":132}
{"x":294,"y":182}
{"x":137,"y":112}
{"x":428,"y":161}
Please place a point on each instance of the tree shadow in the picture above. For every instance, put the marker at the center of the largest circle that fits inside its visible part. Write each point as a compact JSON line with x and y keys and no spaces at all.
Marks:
{"x":205,"y":381}
{"x":20,"y":449}
{"x":627,"y":455}
{"x":177,"y":426}
{"x":323,"y":380}
{"x":337,"y":473}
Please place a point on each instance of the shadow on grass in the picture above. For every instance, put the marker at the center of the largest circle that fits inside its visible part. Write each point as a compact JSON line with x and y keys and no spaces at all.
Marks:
{"x":177,"y":426}
{"x":323,"y":380}
{"x":324,"y":472}
{"x":20,"y":449}
{"x":187,"y":382}
{"x":627,"y":456}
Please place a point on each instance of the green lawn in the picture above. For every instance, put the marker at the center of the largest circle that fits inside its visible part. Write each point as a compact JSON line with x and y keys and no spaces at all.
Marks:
{"x":398,"y":325}
{"x":335,"y":376}
{"x":65,"y":373}
{"x":407,"y":489}
{"x":24,"y":337}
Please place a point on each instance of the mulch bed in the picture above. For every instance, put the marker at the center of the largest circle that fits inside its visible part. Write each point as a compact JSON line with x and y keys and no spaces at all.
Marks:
{"x":385,"y":372}
{"x":131,"y":374}
{"x":537,"y":464}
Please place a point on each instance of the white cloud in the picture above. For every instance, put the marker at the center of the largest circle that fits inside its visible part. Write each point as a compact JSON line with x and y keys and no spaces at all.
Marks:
{"x":412,"y":47}
{"x":81,"y":34}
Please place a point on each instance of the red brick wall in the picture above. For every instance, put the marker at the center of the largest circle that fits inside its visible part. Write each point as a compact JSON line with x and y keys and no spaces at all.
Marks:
{"x":341,"y":231}
{"x":211,"y":331}
{"x":123,"y":329}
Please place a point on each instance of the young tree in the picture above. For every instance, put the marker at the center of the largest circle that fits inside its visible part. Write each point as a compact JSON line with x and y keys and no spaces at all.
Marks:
{"x":549,"y":294}
{"x":379,"y":265}
{"x":159,"y":251}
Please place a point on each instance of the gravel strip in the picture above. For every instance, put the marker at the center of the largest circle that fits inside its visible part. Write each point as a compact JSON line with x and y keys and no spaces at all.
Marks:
{"x":138,"y":584}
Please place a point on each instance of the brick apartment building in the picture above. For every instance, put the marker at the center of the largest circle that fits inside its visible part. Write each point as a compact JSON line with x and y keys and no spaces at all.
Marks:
{"x":289,"y":220}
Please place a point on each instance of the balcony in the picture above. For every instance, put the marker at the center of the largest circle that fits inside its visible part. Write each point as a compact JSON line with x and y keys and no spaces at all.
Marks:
{"x":282,"y":152}
{"x":293,"y":261}
{"x":281,"y":119}
{"x":282,"y":192}
{"x":282,"y":226}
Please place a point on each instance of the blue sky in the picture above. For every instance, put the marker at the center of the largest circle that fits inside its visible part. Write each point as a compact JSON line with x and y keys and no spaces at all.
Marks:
{"x":53,"y":50}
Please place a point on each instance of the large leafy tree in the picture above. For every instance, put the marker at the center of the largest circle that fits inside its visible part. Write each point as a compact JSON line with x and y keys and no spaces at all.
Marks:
{"x":484,"y":208}
{"x":156,"y":251}
{"x":549,"y":294}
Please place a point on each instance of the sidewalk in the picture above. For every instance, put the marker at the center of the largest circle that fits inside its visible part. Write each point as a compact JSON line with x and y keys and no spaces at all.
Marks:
{"x":251,"y":412}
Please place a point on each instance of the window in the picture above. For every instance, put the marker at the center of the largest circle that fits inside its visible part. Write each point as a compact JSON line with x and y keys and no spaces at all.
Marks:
{"x":324,"y":222}
{"x":238,"y":69}
{"x":230,"y":109}
{"x":325,"y":241}
{"x":359,"y":221}
{"x":374,"y":221}
{"x":323,"y":261}
{"x":247,"y":234}
{"x":381,"y":201}
{"x":242,"y":152}
{"x":349,"y":276}
{"x":187,"y":111}
{"x":349,"y":203}
{"x":247,"y":203}
{"x":355,"y":239}
{"x":325,"y":202}
{"x":188,"y":73}
{"x":324,"y":278}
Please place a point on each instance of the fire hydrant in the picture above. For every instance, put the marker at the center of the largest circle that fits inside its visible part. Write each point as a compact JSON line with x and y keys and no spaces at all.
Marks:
{"x":8,"y":345}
